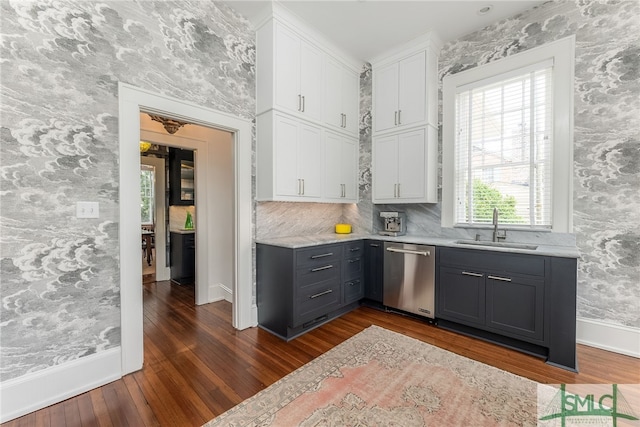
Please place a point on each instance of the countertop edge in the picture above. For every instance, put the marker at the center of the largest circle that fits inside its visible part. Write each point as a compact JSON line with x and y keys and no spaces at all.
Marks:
{"x":296,"y":242}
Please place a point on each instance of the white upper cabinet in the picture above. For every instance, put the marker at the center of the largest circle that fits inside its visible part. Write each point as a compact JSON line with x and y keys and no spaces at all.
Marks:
{"x":400,"y":95}
{"x":290,"y":159}
{"x":405,"y":166}
{"x":342,"y":96}
{"x":340,"y":175}
{"x":297,"y":71}
{"x":307,"y":102}
{"x":405,"y":136}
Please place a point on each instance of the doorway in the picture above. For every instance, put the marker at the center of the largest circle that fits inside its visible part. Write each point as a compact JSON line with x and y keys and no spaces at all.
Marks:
{"x":133,"y":101}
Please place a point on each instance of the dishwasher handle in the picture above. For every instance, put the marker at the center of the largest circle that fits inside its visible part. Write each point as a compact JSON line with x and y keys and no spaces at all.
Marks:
{"x":409,"y":251}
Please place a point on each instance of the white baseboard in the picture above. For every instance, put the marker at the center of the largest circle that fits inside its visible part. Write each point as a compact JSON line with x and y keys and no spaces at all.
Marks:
{"x":219,"y":292}
{"x":607,"y":336}
{"x":40,"y":389}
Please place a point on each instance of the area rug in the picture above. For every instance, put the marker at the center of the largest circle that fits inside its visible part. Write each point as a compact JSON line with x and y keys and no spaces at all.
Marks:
{"x":382,"y":378}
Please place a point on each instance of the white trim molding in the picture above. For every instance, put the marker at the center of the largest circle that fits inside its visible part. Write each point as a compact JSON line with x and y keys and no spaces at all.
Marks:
{"x":132,"y":100}
{"x":40,"y":389}
{"x":607,"y":336}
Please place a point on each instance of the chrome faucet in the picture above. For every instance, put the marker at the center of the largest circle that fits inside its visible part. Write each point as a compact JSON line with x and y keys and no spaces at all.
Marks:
{"x":497,"y":235}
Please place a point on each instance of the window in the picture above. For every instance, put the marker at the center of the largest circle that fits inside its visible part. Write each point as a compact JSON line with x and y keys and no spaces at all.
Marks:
{"x":507,"y":141}
{"x":147,"y":189}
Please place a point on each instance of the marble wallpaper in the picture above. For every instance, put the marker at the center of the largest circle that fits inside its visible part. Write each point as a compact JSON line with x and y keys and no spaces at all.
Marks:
{"x":607,"y":142}
{"x":61,"y":64}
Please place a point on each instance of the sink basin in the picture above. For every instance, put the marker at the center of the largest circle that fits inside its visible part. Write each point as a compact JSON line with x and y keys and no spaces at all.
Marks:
{"x":497,"y":244}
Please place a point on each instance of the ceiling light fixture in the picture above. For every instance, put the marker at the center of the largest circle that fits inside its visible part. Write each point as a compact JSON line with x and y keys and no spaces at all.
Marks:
{"x":170,"y":125}
{"x":485,"y":9}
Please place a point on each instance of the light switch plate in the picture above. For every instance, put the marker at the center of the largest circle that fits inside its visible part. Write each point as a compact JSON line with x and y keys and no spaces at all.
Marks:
{"x":87,"y":210}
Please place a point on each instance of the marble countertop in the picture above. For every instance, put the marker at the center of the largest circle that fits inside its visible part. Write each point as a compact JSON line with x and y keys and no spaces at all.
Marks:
{"x":324,"y":239}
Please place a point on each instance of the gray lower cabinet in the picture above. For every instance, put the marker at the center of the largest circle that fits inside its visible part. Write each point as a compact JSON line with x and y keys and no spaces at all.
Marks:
{"x":520,"y":300}
{"x":299,"y":289}
{"x":183,"y":258}
{"x":373,"y":274}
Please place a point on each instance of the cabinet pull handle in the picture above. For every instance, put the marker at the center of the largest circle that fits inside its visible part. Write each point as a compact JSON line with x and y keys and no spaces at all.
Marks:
{"x":321,"y":255}
{"x":299,"y":187}
{"x":399,"y":117}
{"x":395,"y":118}
{"x":395,"y":190}
{"x":299,"y":102}
{"x":467,"y":273}
{"x":398,"y":190}
{"x":345,"y":120}
{"x":351,"y":261}
{"x":374,"y":245}
{"x":325,"y":267}
{"x":328,"y":291}
{"x":504,"y":279}
{"x":303,"y":103}
{"x":355,"y":249}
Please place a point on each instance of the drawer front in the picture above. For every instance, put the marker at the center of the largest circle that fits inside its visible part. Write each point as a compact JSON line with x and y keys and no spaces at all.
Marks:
{"x":353,"y":291}
{"x":532,"y":265}
{"x":318,"y":255}
{"x":307,"y":276}
{"x":354,"y":267}
{"x":316,"y":300}
{"x":353,"y":249}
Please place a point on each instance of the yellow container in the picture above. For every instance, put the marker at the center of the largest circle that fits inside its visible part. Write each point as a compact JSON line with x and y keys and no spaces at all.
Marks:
{"x":343,"y":228}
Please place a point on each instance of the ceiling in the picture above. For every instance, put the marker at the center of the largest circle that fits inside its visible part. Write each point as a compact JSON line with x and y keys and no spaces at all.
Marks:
{"x":365,"y":29}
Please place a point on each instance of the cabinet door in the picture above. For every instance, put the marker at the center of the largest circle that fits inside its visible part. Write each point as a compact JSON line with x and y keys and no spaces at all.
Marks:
{"x":341,"y":168}
{"x":461,"y":296}
{"x":287,"y":69}
{"x":412,"y":83}
{"x":385,"y":88}
{"x":333,"y":166}
{"x":286,"y":157}
{"x":515,"y":306}
{"x":374,"y":262}
{"x":310,"y":160}
{"x":333,"y":94}
{"x":385,"y":168}
{"x":310,"y":81}
{"x":351,"y":100}
{"x":350,"y":166}
{"x":412,"y":163}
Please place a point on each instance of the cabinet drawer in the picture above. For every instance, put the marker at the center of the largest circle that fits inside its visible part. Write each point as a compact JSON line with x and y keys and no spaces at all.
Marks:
{"x":352,"y":249}
{"x":353,"y":267}
{"x":309,"y":275}
{"x":319,"y":255}
{"x":353,"y":291}
{"x":316,"y":300}
{"x":533,"y":265}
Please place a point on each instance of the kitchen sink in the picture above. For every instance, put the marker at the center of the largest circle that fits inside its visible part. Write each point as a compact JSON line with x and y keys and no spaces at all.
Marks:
{"x":497,"y":244}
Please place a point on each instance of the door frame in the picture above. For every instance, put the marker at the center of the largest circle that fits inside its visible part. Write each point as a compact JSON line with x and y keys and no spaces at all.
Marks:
{"x":133,"y":100}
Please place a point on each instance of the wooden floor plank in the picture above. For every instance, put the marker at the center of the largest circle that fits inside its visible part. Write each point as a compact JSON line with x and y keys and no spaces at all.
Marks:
{"x":198,"y":366}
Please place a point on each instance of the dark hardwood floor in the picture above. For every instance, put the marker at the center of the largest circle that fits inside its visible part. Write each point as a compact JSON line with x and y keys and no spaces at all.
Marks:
{"x":197,"y":366}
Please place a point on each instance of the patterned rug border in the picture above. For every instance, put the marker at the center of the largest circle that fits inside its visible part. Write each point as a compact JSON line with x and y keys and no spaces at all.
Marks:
{"x":325,"y":366}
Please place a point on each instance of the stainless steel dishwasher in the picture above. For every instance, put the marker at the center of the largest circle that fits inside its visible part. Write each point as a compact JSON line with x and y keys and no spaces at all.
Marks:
{"x":409,"y":278}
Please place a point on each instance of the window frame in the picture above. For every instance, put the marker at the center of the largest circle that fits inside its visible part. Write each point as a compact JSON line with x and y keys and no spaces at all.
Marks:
{"x":562,"y":53}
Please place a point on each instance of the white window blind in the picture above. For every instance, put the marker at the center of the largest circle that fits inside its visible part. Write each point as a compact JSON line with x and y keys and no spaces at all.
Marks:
{"x":503,"y":146}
